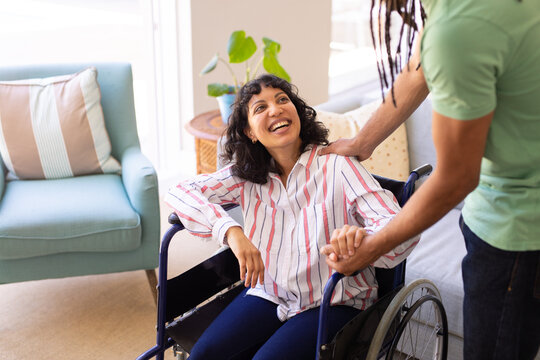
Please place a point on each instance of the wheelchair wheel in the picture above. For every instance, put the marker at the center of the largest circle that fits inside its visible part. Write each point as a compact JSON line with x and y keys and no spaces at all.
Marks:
{"x":414,"y":326}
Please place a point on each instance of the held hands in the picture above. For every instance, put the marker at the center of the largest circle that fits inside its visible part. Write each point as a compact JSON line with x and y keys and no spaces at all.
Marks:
{"x":249,"y":257}
{"x":344,"y":242}
{"x":342,"y":252}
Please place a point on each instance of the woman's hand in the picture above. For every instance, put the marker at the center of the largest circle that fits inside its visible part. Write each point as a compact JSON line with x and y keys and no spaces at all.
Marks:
{"x":249,"y":257}
{"x":344,"y":242}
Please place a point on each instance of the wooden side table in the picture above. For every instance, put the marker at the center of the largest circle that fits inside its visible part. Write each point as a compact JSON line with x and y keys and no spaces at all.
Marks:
{"x":207,"y":128}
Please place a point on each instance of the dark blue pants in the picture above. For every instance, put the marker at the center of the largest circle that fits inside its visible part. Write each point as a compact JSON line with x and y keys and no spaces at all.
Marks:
{"x":250,"y":329}
{"x":501,"y":308}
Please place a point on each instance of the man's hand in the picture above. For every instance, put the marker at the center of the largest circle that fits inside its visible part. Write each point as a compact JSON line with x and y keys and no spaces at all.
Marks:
{"x":344,"y":241}
{"x":249,"y":257}
{"x":364,"y":256}
{"x":346,"y":147}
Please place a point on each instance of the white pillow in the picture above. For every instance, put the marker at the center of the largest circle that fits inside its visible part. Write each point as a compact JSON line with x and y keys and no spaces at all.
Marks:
{"x":390,"y":159}
{"x":54,"y":127}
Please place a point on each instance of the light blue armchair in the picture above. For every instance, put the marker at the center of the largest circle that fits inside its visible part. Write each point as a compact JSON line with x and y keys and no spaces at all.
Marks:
{"x":84,"y":225}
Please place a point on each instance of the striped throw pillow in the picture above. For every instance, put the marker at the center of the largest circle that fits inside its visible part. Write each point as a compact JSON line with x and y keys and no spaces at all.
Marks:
{"x":54,"y":128}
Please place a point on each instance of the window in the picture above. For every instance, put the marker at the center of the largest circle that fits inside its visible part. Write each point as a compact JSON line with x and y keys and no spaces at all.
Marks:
{"x":85,"y":31}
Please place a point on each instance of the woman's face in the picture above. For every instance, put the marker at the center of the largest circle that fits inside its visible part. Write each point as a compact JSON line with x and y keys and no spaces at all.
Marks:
{"x":274,"y":121}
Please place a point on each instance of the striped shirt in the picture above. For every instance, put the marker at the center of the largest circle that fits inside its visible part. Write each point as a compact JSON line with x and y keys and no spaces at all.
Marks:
{"x":290,"y":224}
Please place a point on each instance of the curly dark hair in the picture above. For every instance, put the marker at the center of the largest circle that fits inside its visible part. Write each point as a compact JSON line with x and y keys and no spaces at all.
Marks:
{"x":253,"y":162}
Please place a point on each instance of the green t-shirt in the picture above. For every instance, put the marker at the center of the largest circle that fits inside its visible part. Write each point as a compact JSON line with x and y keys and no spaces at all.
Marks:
{"x":480,"y":56}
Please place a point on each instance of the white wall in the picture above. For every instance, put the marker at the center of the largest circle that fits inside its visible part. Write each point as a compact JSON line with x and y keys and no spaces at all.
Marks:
{"x":302,"y":28}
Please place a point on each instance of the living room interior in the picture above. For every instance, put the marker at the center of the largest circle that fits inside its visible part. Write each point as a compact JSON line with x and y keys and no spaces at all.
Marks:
{"x":325,"y":48}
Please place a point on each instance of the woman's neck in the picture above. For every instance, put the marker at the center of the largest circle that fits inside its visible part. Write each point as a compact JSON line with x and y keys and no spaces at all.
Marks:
{"x":285,"y":161}
{"x":286,"y":169}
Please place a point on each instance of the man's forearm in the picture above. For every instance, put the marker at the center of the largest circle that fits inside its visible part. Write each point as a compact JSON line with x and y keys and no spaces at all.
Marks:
{"x":410,"y":90}
{"x":424,"y":209}
{"x":460,"y":148}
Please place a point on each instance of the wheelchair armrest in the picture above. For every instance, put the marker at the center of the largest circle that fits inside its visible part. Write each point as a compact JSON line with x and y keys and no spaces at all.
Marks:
{"x":174,"y":219}
{"x":410,"y":184}
{"x":423,"y":170}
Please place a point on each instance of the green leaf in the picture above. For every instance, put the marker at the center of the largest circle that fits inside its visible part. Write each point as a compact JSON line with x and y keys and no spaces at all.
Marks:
{"x":240,"y":47}
{"x":217,"y":89}
{"x":270,"y":60}
{"x":269,"y":43}
{"x":211,"y":65}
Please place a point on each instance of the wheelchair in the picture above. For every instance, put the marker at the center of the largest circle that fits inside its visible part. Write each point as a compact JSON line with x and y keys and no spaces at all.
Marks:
{"x":406,"y":322}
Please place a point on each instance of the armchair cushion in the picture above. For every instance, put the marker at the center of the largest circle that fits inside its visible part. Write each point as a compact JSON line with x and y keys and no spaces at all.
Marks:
{"x":54,"y":127}
{"x":140,"y":181}
{"x":81,"y":214}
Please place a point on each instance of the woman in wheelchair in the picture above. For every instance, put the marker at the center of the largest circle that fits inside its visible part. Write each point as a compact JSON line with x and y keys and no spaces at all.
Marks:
{"x":293,"y":203}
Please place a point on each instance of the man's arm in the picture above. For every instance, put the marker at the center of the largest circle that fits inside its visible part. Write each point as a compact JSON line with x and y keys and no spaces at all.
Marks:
{"x":460,"y":148}
{"x":410,"y":89}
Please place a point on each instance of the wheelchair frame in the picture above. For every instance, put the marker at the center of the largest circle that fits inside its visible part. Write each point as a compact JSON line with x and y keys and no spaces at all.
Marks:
{"x":394,"y":320}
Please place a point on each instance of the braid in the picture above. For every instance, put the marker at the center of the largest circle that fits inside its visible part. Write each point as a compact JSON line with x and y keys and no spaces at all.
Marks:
{"x":380,"y":49}
{"x":379,"y":64}
{"x":407,"y":11}
{"x":388,"y":52}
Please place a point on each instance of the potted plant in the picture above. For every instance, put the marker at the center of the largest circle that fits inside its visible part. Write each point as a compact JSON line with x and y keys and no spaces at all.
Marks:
{"x":241,"y":48}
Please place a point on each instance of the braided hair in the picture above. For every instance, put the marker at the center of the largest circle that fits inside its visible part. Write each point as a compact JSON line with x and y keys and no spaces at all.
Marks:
{"x":407,"y":10}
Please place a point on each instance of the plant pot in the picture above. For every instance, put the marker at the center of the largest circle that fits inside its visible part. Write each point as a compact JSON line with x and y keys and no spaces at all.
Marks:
{"x":225,"y":103}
